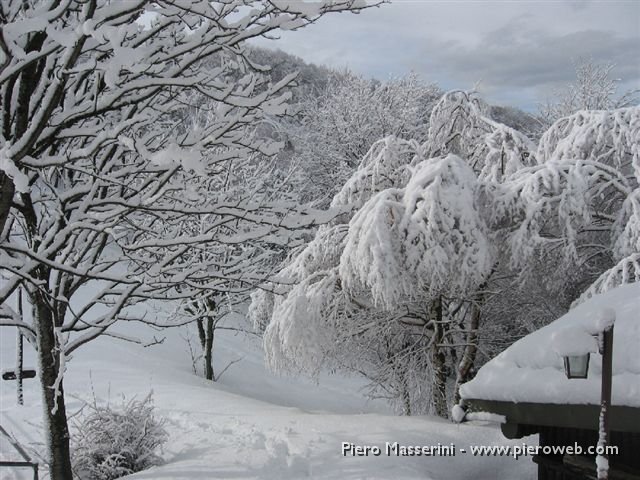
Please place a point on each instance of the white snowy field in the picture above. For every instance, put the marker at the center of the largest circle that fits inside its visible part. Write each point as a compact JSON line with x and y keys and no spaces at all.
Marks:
{"x":252,"y":424}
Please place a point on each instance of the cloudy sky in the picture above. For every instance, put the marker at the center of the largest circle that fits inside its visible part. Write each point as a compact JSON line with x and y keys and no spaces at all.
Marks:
{"x":519,"y":51}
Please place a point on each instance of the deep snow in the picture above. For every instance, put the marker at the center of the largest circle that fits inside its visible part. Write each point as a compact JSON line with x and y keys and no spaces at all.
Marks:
{"x":252,"y":424}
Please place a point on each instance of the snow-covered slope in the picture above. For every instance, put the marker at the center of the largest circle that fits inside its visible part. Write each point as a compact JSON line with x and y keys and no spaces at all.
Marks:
{"x":252,"y":424}
{"x":531,"y":370}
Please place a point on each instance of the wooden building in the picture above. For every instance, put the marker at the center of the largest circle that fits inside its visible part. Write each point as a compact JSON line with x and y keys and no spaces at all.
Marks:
{"x":526,"y":384}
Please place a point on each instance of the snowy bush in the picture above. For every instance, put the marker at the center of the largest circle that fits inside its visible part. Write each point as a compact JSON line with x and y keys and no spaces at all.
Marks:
{"x":111,"y":443}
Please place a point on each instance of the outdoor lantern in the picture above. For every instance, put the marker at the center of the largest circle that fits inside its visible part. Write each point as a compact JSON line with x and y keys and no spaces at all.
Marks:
{"x":576,"y":366}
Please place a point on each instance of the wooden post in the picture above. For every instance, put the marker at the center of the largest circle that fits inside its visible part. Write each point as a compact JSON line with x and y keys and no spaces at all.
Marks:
{"x":606,"y":344}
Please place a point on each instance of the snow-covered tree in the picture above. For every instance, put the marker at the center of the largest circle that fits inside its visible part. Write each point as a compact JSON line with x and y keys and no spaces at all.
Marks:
{"x":593,"y":89}
{"x":422,"y":243}
{"x":584,"y":197}
{"x":460,"y":124}
{"x":340,"y":124}
{"x":97,"y":164}
{"x":426,"y":239}
{"x":450,"y":239}
{"x":396,"y":286}
{"x":310,"y":320}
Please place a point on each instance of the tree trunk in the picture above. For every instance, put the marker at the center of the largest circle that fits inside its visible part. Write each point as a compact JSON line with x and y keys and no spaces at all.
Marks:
{"x":208,"y":350}
{"x":470,"y":350}
{"x":7,"y":189}
{"x":55,"y":415}
{"x":438,"y":362}
{"x":201,"y":335}
{"x":406,"y":397}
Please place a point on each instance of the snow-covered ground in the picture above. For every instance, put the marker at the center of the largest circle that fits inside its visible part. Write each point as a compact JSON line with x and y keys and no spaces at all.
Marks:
{"x":252,"y":424}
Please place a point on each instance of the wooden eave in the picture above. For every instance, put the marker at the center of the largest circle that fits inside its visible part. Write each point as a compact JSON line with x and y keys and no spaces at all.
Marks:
{"x":521,"y":416}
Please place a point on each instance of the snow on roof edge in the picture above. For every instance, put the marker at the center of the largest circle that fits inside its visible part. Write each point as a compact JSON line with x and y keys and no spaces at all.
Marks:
{"x":531,"y":370}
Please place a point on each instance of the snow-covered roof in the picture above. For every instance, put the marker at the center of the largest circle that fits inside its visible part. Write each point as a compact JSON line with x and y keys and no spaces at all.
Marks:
{"x":531,"y":370}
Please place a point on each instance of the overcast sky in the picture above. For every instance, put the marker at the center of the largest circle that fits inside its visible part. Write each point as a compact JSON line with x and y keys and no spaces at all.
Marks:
{"x":519,"y":51}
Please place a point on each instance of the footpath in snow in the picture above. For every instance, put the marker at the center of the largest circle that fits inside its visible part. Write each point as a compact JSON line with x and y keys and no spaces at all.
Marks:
{"x":253,"y":424}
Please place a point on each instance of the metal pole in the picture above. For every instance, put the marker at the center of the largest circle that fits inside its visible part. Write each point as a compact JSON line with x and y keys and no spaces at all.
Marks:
{"x":606,"y":343}
{"x":19,"y":353}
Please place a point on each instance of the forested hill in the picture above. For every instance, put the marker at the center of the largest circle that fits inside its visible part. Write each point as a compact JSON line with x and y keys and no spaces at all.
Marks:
{"x":337,"y":115}
{"x":314,"y":78}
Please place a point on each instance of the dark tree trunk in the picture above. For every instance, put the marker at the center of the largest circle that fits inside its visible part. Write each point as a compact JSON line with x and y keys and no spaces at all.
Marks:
{"x":55,"y":415}
{"x":406,"y":397}
{"x":470,"y":350}
{"x":206,"y":333}
{"x":438,"y":361}
{"x":202,"y":336}
{"x":208,"y":350}
{"x":7,"y":189}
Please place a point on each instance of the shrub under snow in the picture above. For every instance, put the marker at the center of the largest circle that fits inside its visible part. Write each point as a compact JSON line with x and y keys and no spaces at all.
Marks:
{"x":111,"y":443}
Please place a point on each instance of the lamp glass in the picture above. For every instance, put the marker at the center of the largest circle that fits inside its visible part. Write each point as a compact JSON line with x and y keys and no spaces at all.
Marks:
{"x":576,"y":366}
